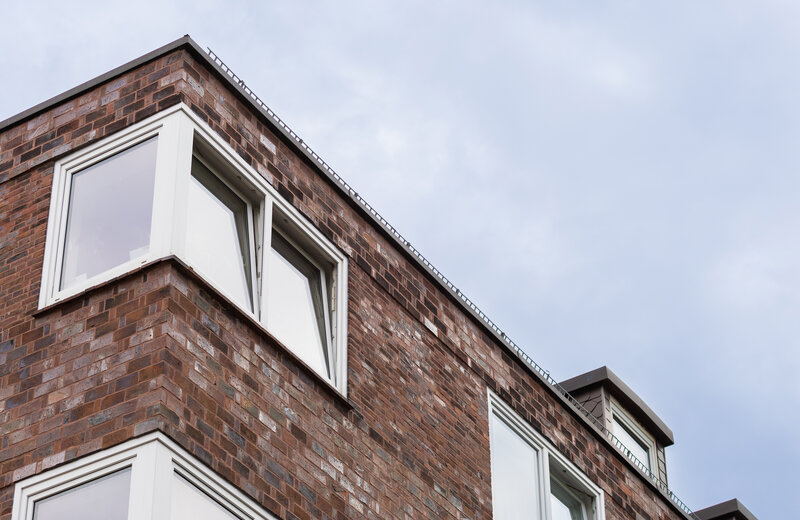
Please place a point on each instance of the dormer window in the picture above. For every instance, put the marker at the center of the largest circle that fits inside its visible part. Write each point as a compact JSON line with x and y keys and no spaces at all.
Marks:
{"x":631,"y":426}
{"x":633,"y":437}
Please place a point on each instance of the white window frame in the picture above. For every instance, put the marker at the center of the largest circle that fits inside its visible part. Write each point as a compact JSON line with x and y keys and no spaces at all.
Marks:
{"x":636,"y":431}
{"x":549,"y":459}
{"x":180,"y":132}
{"x":165,"y":130}
{"x":153,"y":460}
{"x":255,"y":212}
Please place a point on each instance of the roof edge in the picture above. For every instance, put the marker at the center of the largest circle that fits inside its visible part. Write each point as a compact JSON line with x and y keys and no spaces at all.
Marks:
{"x":383,"y":226}
{"x":729,"y":507}
{"x":102,"y":78}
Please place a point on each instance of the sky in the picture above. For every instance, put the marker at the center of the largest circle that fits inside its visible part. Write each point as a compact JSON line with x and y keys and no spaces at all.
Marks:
{"x":613,"y":182}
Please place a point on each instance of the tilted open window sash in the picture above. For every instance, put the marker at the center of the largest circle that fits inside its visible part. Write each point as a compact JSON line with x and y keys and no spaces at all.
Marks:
{"x":171,"y":186}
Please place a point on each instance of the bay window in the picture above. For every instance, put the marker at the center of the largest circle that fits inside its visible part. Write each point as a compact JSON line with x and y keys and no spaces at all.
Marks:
{"x":530,"y":478}
{"x":148,"y":478}
{"x":170,"y":186}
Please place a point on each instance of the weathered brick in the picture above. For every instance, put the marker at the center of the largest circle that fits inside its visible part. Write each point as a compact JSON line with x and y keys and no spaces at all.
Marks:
{"x":411,"y":440}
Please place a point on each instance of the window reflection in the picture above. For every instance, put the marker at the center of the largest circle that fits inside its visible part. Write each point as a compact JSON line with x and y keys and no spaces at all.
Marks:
{"x":105,"y":498}
{"x":110,"y":209}
{"x":514,"y":474}
{"x":564,"y":505}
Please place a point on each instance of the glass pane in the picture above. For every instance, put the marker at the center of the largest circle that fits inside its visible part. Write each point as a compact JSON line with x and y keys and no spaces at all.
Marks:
{"x":515,"y":485}
{"x":295,"y":311}
{"x":110,"y":207}
{"x":189,"y":503}
{"x":217,"y":236}
{"x":633,"y":445}
{"x":103,"y":499}
{"x":563,"y":505}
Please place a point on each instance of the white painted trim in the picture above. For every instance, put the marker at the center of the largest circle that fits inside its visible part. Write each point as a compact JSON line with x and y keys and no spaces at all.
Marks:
{"x":636,"y":430}
{"x":275,"y":203}
{"x":177,"y":129}
{"x":548,"y":454}
{"x":222,"y":176}
{"x":155,"y":126}
{"x":153,"y":460}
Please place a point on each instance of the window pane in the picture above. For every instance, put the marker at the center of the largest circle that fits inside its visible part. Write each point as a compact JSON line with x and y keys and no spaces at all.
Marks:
{"x":110,"y":207}
{"x":515,"y":485}
{"x":190,"y":503}
{"x":563,"y":505}
{"x":217,"y":235}
{"x":295,"y":310}
{"x":103,"y":499}
{"x":633,"y":445}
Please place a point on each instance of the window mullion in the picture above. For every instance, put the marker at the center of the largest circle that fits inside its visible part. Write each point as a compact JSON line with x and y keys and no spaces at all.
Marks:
{"x":180,"y":178}
{"x":164,"y":188}
{"x":266,"y":247}
{"x":161,"y":482}
{"x":544,"y":489}
{"x":140,"y":506}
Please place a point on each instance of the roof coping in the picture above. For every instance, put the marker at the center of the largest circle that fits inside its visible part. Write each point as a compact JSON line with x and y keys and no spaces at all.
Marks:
{"x":603,"y":376}
{"x":315,"y":161}
{"x":729,"y":510}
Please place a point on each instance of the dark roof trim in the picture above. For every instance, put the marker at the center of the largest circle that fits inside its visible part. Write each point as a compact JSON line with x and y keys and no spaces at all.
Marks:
{"x":725,"y":510}
{"x":83,"y":87}
{"x":603,"y":376}
{"x":319,"y":165}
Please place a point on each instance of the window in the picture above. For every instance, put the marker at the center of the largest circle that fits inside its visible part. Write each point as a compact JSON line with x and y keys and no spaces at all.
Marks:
{"x":149,"y":478}
{"x":530,"y":479}
{"x":171,"y":186}
{"x":109,"y":496}
{"x":297,"y":302}
{"x":109,"y":214}
{"x":633,"y":438}
{"x":218,"y":234}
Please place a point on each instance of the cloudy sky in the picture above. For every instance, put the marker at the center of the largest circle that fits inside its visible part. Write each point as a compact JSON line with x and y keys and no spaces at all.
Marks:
{"x":614,"y":183}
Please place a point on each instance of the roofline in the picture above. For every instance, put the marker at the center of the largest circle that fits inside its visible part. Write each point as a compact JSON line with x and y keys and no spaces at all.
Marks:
{"x":730,"y":507}
{"x":359,"y":204}
{"x":83,"y":87}
{"x":603,"y":376}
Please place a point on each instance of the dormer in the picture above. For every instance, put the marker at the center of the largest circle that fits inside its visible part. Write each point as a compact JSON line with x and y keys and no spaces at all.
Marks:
{"x":623,"y":413}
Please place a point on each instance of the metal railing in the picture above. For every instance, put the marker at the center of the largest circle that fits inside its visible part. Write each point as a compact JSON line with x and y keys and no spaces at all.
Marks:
{"x":660,"y":484}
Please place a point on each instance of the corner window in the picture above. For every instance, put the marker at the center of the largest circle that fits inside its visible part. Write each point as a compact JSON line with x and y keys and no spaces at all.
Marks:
{"x":141,"y":479}
{"x":171,"y":186}
{"x":635,"y":441}
{"x":530,"y":478}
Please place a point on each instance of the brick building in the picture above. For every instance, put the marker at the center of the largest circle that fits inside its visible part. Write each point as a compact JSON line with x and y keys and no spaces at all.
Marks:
{"x":199,"y":317}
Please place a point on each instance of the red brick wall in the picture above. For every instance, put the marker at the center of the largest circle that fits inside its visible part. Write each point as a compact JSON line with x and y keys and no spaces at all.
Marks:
{"x":157,"y":350}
